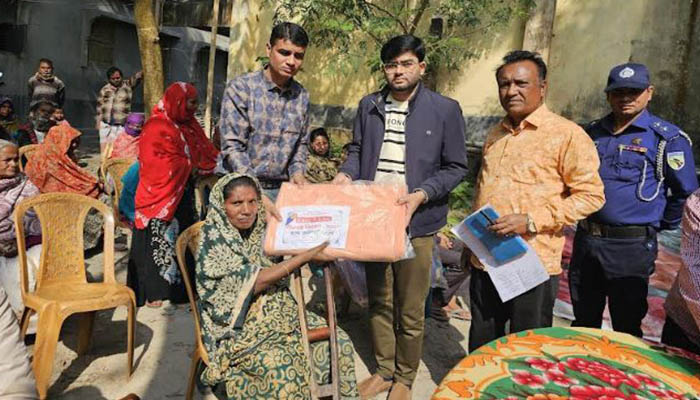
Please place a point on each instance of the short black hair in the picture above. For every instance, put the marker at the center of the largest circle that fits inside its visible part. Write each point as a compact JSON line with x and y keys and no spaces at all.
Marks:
{"x":525,"y":55}
{"x":318,"y":132}
{"x":46,"y":61}
{"x":112,"y":70}
{"x":401,"y":44}
{"x":289,"y":31}
{"x":240,"y":181}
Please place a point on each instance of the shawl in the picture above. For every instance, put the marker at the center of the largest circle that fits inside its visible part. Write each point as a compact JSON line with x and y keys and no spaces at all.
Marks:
{"x":172,"y":144}
{"x":12,"y":192}
{"x":52,"y":170}
{"x":125,"y":146}
{"x":227,"y":267}
{"x":134,"y":120}
{"x":320,"y":169}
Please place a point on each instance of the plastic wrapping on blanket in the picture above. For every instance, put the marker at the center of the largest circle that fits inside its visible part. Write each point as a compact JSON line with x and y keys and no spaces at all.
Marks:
{"x":352,"y":274}
{"x":377,"y":225}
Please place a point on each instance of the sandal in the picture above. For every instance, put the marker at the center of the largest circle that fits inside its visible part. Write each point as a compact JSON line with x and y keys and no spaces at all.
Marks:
{"x":460,"y":313}
{"x":154,"y":304}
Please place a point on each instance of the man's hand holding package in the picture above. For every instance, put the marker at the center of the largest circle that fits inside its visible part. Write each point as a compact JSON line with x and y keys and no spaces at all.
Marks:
{"x":341,"y":179}
{"x":298,"y":179}
{"x":510,"y":224}
{"x":271,"y":209}
{"x":412,"y":200}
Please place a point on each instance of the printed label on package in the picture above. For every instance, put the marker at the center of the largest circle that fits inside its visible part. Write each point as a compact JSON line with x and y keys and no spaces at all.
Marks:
{"x":304,"y":227}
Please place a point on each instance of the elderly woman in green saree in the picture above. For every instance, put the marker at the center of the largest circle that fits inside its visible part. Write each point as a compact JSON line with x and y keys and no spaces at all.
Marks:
{"x":250,"y":325}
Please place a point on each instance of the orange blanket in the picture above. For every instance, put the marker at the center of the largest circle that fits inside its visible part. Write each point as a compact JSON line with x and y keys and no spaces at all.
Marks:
{"x":377,"y":225}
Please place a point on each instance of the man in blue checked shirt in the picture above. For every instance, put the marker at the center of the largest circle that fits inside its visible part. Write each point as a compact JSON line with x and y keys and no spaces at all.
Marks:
{"x":647,"y":167}
{"x":264,"y":117}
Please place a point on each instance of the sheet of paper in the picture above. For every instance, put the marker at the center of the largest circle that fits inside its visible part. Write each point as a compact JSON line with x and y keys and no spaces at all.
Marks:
{"x":512,"y":278}
{"x":303,"y":227}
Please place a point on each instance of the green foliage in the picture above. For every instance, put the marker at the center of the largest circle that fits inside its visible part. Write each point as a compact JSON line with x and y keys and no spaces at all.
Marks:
{"x":352,"y":31}
{"x":460,"y":203}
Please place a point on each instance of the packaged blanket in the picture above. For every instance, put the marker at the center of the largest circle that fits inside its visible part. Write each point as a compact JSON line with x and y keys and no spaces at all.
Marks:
{"x":361,"y":221}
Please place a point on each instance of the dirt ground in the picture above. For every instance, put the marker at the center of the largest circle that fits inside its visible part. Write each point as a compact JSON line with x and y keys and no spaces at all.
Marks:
{"x":165,"y":340}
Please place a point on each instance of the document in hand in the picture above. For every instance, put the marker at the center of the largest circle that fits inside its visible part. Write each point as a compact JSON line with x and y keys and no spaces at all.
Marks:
{"x":512,"y":264}
{"x":362,"y":221}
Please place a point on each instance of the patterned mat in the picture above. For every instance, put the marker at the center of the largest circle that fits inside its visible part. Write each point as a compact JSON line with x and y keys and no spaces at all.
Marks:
{"x":572,"y":363}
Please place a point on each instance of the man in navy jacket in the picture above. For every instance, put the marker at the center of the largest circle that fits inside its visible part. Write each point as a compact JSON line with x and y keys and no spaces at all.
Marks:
{"x":405,"y":134}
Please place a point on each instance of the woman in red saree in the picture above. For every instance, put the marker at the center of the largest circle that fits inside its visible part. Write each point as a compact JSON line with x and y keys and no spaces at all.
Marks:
{"x":172,"y":149}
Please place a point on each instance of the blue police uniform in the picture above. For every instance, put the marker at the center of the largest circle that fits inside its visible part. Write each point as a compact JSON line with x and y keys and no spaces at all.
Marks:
{"x":648,"y":171}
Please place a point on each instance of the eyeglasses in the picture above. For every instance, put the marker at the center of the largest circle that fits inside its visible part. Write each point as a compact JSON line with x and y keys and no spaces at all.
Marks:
{"x":406,"y":64}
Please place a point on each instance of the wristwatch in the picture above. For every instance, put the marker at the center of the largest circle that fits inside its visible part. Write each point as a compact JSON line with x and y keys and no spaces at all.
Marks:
{"x":531,"y":227}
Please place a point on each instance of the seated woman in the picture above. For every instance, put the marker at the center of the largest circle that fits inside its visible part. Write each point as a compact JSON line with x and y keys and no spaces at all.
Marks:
{"x":15,"y":187}
{"x":126,"y":145}
{"x":54,"y":168}
{"x":250,"y":324}
{"x":682,"y":327}
{"x":8,"y":119}
{"x":320,"y":167}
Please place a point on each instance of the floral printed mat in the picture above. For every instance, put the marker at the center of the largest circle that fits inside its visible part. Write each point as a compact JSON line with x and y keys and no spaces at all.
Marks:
{"x":572,"y":363}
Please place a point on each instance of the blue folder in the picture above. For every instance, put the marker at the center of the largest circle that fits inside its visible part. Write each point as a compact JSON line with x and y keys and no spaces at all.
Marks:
{"x":502,"y":248}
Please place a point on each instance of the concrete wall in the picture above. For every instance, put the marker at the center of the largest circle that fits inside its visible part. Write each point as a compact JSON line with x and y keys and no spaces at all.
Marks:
{"x":591,"y":37}
{"x":60,"y":30}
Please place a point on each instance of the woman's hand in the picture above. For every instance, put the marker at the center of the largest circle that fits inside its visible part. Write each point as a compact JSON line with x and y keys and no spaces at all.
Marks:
{"x":316,"y":253}
{"x":268,"y":276}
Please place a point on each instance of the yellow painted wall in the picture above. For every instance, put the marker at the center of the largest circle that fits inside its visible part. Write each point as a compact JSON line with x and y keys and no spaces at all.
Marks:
{"x":589,"y":37}
{"x":475,"y":85}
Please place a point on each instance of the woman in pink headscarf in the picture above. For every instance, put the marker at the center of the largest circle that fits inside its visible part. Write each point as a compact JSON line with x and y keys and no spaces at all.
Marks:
{"x":126,"y":145}
{"x":172,"y":149}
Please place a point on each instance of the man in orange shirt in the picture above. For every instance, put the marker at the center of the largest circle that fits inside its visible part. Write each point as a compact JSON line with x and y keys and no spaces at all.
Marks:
{"x":540,"y":173}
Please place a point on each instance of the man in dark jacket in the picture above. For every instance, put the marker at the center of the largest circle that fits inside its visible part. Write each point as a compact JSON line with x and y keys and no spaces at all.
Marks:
{"x":410,"y":135}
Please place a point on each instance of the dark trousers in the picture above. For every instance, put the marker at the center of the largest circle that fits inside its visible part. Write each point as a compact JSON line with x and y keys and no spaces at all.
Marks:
{"x":673,"y":335}
{"x":616,"y":269}
{"x":530,"y":310}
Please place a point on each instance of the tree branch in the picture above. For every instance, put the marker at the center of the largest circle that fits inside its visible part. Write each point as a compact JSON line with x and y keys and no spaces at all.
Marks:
{"x":416,"y":19}
{"x":356,"y":19}
{"x":389,"y":14}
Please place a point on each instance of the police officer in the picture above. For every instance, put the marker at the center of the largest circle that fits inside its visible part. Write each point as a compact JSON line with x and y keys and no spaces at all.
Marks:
{"x":647,"y":167}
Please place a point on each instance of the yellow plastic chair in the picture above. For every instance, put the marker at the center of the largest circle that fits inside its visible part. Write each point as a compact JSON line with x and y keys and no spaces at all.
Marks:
{"x":62,"y":288}
{"x":116,"y":168}
{"x":190,"y":239}
{"x":24,"y":153}
{"x":202,"y":184}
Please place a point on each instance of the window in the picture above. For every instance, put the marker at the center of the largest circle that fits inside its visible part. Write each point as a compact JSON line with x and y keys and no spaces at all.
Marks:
{"x":12,"y":37}
{"x":101,"y":42}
